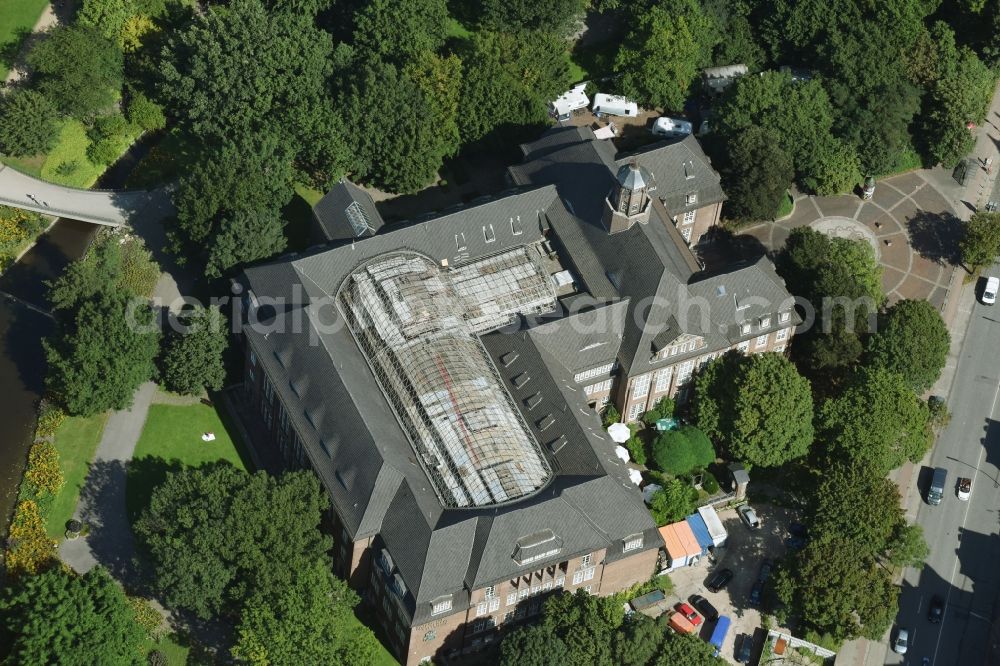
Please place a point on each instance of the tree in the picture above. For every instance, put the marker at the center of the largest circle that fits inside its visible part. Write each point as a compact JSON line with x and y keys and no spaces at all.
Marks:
{"x":58,"y":617}
{"x":907,"y":547}
{"x":310,"y":622}
{"x":507,"y":80}
{"x":586,"y":623}
{"x":834,"y":591}
{"x":912,"y":341}
{"x":193,"y":358}
{"x":112,"y":264}
{"x":981,"y":243}
{"x":755,"y":193}
{"x":145,"y":113}
{"x":243,"y":237}
{"x":689,"y":650}
{"x":216,"y":535}
{"x":878,"y":421}
{"x":835,"y":170}
{"x":856,"y":504}
{"x":663,"y":409}
{"x":513,"y":16}
{"x":79,"y":70}
{"x":397,"y":152}
{"x":758,"y":407}
{"x":638,"y":641}
{"x":672,"y":502}
{"x":27,"y":123}
{"x":533,"y":645}
{"x":680,"y":451}
{"x":399,"y":32}
{"x":101,"y":353}
{"x":662,"y":55}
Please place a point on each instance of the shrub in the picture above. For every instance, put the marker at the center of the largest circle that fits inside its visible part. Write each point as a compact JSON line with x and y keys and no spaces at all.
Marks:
{"x":709,"y":483}
{"x":29,"y":549}
{"x":139,"y":272}
{"x":145,"y":113}
{"x":673,"y":502}
{"x":104,"y":151}
{"x":44,"y":472}
{"x":680,"y":451}
{"x":157,"y":658}
{"x":636,"y":449}
{"x":146,"y":616}
{"x":27,"y":123}
{"x":50,"y":417}
{"x":663,"y":409}
{"x":111,"y":126}
{"x":610,"y":415}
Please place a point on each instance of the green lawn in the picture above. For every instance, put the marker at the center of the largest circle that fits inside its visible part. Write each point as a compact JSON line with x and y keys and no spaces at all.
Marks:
{"x":76,"y":440}
{"x":171,"y":439}
{"x":172,"y":648}
{"x":19,"y":17}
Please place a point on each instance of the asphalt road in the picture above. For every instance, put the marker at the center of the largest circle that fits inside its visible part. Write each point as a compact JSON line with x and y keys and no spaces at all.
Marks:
{"x":964,"y":564}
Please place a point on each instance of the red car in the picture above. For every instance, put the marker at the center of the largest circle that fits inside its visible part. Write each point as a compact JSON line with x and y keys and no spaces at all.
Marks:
{"x":688,"y":612}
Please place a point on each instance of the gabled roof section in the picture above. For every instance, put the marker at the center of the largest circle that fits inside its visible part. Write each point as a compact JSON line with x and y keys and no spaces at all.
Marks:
{"x":585,"y":339}
{"x":347,"y":212}
{"x":679,"y":169}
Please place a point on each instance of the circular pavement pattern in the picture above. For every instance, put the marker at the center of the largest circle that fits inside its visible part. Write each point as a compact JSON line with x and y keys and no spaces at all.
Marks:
{"x":911,"y":225}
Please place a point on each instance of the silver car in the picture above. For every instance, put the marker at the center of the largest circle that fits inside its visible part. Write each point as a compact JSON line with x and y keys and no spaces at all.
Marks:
{"x":749,"y":516}
{"x":902,"y":641}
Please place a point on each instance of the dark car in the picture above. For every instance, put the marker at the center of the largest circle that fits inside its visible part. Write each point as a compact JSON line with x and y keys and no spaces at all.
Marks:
{"x":746,"y":648}
{"x":719,"y":580}
{"x":756,"y":592}
{"x":765,"y":571}
{"x":704,"y":607}
{"x":936,"y":610}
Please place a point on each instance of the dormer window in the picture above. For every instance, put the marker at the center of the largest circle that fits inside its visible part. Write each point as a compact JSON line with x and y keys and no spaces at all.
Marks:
{"x":441,"y":606}
{"x":488,"y":234}
{"x":784,"y":317}
{"x":460,"y":242}
{"x":690,"y":198}
{"x":765,"y":322}
{"x":515,"y":226}
{"x":633,"y":542}
{"x":745,"y":329}
{"x":689,"y":170}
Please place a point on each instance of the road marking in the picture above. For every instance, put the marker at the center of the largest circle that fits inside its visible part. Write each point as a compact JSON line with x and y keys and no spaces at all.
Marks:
{"x":965,"y":517}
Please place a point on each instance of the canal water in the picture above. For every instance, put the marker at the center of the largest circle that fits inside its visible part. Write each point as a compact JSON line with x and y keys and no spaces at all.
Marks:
{"x":22,"y":362}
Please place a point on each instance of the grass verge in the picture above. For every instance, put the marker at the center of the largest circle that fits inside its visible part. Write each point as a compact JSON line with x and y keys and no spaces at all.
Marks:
{"x":19,"y":17}
{"x":170,"y":440}
{"x":76,"y":441}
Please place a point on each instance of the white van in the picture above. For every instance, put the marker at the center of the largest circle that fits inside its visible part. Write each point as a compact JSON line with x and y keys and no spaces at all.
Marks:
{"x":990,"y":290}
{"x":614,"y":105}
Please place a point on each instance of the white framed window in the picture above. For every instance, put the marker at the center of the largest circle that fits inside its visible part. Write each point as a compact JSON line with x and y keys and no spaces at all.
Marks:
{"x":744,"y":346}
{"x":640,"y":388}
{"x":765,"y":322}
{"x":494,"y":604}
{"x":599,"y":387}
{"x":745,"y":329}
{"x":593,"y":372}
{"x":490,"y":591}
{"x":784,"y":317}
{"x":441,"y":607}
{"x":663,"y":378}
{"x":689,"y":217}
{"x":535,"y":589}
{"x":478,"y":626}
{"x":546,"y":586}
{"x":634,"y":411}
{"x":586,"y":560}
{"x":577,"y":577}
{"x":632,"y":543}
{"x":460,"y":241}
{"x":691,"y":198}
{"x":488,"y":234}
{"x":522,"y":593}
{"x":673,"y":350}
{"x":687,"y":367}
{"x":761,"y":340}
{"x":588,"y":574}
{"x":561,"y":581}
{"x":780,"y":349}
{"x":482,"y":608}
{"x":588,"y":588}
{"x":781,"y":335}
{"x":512,"y":598}
{"x":686,"y":233}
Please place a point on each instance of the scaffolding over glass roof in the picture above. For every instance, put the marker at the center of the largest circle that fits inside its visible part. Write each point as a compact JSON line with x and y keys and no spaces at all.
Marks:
{"x":417,"y":325}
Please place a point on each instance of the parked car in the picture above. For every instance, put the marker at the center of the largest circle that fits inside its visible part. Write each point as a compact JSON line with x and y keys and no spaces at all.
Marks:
{"x":745,"y":650}
{"x":964,"y":488}
{"x":718,"y":581}
{"x":990,"y":290}
{"x":704,"y":606}
{"x":902,"y":641}
{"x":756,"y":592}
{"x":670,"y":127}
{"x":936,"y":610}
{"x":764,"y":574}
{"x":689,"y":613}
{"x":749,"y":517}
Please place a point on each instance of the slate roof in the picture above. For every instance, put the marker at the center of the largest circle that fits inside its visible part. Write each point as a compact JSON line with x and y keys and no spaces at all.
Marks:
{"x":347,"y":212}
{"x":679,"y":168}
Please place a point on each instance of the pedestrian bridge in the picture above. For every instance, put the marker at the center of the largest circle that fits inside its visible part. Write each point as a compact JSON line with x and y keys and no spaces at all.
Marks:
{"x":107,"y":207}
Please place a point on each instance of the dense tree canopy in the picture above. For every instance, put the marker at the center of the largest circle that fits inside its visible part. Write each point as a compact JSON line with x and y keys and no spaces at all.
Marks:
{"x":58,"y":617}
{"x":506,"y":80}
{"x":912,"y":341}
{"x":682,"y":450}
{"x":310,"y":622}
{"x":756,"y":175}
{"x":78,"y":69}
{"x":193,"y":358}
{"x":758,"y":407}
{"x":217,"y":535}
{"x":980,"y":245}
{"x":399,"y":32}
{"x":661,"y":57}
{"x":27,"y":123}
{"x":557,"y":16}
{"x":101,"y":352}
{"x":672,"y":502}
{"x":878,"y":421}
{"x":112,"y":264}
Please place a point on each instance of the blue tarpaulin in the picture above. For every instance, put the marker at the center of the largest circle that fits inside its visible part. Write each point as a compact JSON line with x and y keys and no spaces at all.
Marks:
{"x":700,"y":529}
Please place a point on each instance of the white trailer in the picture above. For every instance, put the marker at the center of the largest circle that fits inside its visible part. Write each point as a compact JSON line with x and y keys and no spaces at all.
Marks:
{"x":614,"y":105}
{"x":670,"y":127}
{"x":570,"y":101}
